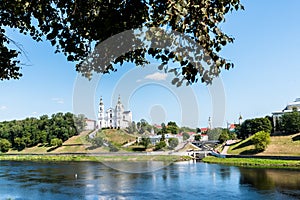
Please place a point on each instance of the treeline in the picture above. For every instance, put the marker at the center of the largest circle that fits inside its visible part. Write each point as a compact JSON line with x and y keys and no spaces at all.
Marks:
{"x":143,"y":127}
{"x":45,"y":130}
{"x":259,"y":129}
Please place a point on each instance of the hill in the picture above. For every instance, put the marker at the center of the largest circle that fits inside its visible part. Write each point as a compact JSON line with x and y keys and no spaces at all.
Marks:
{"x":75,"y":144}
{"x":80,"y":144}
{"x":279,"y":146}
{"x":116,"y":137}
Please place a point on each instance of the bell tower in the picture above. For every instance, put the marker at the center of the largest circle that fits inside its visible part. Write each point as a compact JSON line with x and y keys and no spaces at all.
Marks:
{"x":101,"y":115}
{"x":119,"y":113}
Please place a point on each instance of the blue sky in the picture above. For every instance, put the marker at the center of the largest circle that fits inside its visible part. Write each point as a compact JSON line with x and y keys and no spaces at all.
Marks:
{"x":265,"y":77}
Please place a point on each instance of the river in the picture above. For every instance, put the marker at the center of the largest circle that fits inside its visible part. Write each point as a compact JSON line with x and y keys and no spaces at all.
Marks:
{"x":182,"y":180}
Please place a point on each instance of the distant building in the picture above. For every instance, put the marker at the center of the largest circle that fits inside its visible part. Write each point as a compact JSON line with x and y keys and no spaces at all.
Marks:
{"x":156,"y":138}
{"x":231,"y":127}
{"x":289,"y":108}
{"x":90,"y":124}
{"x":204,"y":137}
{"x":113,"y":117}
{"x":204,"y":130}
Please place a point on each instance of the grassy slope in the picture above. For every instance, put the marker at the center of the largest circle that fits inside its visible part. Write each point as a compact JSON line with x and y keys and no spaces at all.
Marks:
{"x":79,"y":144}
{"x":76,"y":144}
{"x":242,"y":147}
{"x":117,"y":137}
{"x":284,"y":145}
{"x":280,"y":145}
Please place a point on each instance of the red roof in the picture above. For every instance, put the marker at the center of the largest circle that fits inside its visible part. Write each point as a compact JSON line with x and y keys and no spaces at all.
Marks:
{"x":157,"y":126}
{"x":232,"y":126}
{"x":204,"y":129}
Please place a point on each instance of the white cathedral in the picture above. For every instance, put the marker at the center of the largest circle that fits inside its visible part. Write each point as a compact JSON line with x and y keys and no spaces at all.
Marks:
{"x":113,"y":118}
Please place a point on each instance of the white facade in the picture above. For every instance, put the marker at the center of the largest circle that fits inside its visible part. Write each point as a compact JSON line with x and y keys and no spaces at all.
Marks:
{"x":90,"y":124}
{"x":113,"y":118}
{"x":289,"y":108}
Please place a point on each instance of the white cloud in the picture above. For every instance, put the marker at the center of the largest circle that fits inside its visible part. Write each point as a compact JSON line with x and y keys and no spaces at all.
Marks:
{"x":157,"y":76}
{"x":3,"y":107}
{"x":139,"y":80}
{"x":58,"y":100}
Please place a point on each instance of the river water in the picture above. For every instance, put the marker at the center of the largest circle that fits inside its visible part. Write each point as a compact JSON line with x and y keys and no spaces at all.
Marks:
{"x":183,"y":180}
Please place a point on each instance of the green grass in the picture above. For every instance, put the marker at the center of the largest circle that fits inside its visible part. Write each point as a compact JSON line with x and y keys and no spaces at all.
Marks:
{"x":165,"y":158}
{"x":243,"y":147}
{"x":116,"y":137}
{"x":284,"y":145}
{"x":254,"y":162}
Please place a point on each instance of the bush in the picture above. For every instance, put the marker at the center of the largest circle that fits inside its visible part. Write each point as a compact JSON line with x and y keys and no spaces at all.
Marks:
{"x":225,"y":135}
{"x":197,"y":137}
{"x":173,"y":142}
{"x":261,"y":140}
{"x":4,"y":145}
{"x":185,"y":136}
{"x":145,"y":142}
{"x":56,"y":142}
{"x":19,"y":143}
{"x":160,"y":145}
{"x":113,"y":148}
{"x":97,"y":141}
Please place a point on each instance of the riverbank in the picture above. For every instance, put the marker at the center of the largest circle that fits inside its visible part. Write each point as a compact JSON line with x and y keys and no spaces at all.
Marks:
{"x":254,"y":162}
{"x":102,"y":158}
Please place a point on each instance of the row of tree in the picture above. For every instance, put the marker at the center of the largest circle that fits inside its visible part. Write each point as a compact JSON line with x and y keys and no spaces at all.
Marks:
{"x":143,"y":127}
{"x":52,"y":131}
{"x":288,"y":123}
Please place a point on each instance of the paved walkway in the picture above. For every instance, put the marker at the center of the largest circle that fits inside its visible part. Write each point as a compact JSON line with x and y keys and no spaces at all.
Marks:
{"x":129,"y":144}
{"x":225,"y":149}
{"x":93,"y":134}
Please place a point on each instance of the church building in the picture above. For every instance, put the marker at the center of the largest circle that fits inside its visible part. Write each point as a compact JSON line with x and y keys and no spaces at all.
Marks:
{"x":113,"y":117}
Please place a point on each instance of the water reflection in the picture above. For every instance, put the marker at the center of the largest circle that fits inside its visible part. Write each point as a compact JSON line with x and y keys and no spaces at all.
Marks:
{"x":286,"y":182}
{"x":137,"y":167}
{"x":184,"y":180}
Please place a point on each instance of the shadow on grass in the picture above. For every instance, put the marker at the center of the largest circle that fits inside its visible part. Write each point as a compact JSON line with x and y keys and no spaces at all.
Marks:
{"x":52,"y":148}
{"x":72,"y":145}
{"x":296,"y":138}
{"x":138,"y":149}
{"x":92,"y":147}
{"x":249,"y":152}
{"x":248,"y":143}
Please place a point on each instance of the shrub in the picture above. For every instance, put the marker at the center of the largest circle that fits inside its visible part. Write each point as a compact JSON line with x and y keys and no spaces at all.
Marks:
{"x":160,"y":145}
{"x":56,"y":142}
{"x":261,"y":140}
{"x":19,"y":143}
{"x":112,"y":148}
{"x":224,"y":136}
{"x":4,"y":145}
{"x":97,"y":141}
{"x":173,"y":142}
{"x":145,"y":142}
{"x":185,"y":136}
